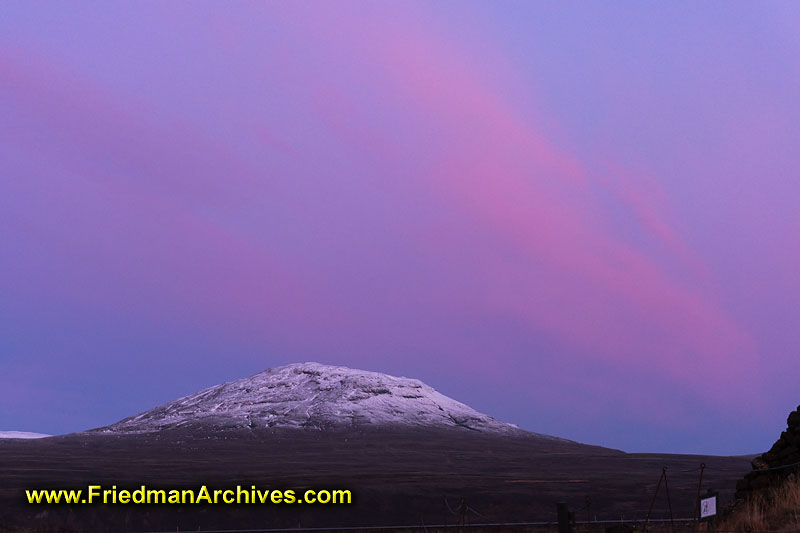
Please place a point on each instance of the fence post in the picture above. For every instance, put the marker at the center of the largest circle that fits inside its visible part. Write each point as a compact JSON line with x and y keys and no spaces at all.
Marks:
{"x":588,"y":501}
{"x":564,"y":524}
{"x":697,"y":500}
{"x":653,"y":501}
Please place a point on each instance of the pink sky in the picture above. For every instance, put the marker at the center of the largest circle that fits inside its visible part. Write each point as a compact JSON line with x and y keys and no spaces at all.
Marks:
{"x":578,"y":224}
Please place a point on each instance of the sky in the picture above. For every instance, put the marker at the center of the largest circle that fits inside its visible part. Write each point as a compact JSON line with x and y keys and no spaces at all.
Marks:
{"x":577,"y":217}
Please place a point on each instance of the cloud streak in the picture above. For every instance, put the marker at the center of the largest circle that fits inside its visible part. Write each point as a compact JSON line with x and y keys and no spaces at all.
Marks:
{"x":576,"y":278}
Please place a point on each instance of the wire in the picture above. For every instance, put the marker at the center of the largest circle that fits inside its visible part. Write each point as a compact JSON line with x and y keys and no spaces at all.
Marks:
{"x":777,"y":467}
{"x":448,"y":507}
{"x":474,"y":511}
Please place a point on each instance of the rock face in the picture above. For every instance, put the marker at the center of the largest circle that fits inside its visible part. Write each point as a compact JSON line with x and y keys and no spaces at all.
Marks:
{"x":772,"y":467}
{"x":315,"y":397}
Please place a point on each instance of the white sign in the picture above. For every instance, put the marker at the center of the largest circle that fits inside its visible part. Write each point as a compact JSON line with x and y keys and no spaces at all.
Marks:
{"x":708,"y":507}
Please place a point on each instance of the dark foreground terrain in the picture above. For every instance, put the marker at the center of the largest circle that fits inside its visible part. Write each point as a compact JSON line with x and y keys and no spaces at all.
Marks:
{"x":397,"y":478}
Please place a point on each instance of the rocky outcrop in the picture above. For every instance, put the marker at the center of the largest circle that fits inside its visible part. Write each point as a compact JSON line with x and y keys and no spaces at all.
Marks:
{"x":773,"y":467}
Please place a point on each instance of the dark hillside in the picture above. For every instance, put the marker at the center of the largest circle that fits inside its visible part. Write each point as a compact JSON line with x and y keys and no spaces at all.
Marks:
{"x":397,"y":478}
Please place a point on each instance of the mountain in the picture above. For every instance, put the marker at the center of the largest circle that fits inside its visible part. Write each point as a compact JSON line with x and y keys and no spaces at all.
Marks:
{"x":22,"y":435}
{"x":316,"y":397}
{"x":409,"y":454}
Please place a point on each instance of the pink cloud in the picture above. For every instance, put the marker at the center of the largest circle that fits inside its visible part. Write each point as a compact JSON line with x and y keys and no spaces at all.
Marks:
{"x":516,"y":231}
{"x":576,"y":279}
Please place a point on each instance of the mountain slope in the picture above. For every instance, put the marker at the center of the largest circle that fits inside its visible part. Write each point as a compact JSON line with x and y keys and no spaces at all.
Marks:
{"x":315,"y":396}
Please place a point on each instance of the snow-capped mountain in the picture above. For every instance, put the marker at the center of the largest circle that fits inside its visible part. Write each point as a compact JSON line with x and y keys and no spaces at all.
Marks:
{"x":22,"y":435}
{"x":314,"y":396}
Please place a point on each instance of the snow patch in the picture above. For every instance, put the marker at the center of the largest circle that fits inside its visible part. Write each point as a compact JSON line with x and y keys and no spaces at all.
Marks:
{"x":22,"y":435}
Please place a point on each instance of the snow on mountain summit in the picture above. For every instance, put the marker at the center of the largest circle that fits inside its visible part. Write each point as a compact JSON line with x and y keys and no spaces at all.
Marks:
{"x":22,"y":435}
{"x":314,"y":396}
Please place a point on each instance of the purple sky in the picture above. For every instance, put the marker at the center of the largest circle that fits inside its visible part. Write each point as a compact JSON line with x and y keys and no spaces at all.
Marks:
{"x":578,"y":217}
